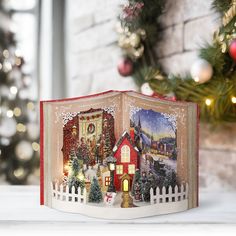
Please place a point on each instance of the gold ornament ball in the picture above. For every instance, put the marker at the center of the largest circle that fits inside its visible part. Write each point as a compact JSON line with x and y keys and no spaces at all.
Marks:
{"x":134,"y":40}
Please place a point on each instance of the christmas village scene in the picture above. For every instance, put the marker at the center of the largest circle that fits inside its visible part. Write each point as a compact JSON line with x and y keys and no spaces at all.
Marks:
{"x":119,"y":172}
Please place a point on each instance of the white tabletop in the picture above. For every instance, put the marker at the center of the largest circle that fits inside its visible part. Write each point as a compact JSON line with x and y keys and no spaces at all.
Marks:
{"x":19,"y":205}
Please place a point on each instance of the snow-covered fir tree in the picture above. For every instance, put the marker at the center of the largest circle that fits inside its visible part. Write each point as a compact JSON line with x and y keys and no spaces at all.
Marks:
{"x":95,"y":194}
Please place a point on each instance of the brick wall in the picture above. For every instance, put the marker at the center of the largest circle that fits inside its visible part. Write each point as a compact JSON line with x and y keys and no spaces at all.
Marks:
{"x":187,"y":25}
{"x":92,"y":50}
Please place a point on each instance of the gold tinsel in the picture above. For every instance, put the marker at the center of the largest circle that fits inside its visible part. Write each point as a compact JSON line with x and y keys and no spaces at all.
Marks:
{"x":230,"y":14}
{"x":223,"y":39}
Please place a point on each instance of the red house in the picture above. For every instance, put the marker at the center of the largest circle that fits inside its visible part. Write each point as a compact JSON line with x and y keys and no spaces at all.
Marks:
{"x":127,"y":155}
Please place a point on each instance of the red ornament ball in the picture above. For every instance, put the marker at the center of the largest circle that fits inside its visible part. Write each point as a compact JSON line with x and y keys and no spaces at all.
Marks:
{"x":125,"y":67}
{"x":232,"y":49}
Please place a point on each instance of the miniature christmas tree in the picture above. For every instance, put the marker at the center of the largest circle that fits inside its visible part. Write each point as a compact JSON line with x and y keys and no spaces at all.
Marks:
{"x":83,"y":153}
{"x":76,"y":176}
{"x":136,"y":179}
{"x":146,"y":191}
{"x":95,"y":194}
{"x":137,"y":192}
{"x":148,"y":183}
{"x":75,"y":166}
{"x":170,"y":178}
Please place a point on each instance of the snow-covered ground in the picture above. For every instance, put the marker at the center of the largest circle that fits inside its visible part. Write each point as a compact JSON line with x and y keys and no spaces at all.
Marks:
{"x":171,"y":163}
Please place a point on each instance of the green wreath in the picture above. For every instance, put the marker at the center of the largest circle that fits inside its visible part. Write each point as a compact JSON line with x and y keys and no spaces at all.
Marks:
{"x":212,"y":83}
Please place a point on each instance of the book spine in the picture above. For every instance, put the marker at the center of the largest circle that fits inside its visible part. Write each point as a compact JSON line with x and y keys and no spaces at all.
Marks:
{"x":41,"y":155}
{"x":197,"y":151}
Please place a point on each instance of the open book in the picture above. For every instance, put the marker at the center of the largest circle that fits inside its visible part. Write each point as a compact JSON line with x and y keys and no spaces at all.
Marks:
{"x":119,"y":155}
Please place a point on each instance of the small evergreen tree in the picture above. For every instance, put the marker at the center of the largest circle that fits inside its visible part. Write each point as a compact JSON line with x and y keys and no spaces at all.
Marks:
{"x":75,"y":181}
{"x":151,"y":182}
{"x":170,"y":178}
{"x":75,"y":166}
{"x":146,"y":191}
{"x":136,"y":179}
{"x":75,"y":173}
{"x":137,"y":192}
{"x":83,"y":154}
{"x":95,"y":194}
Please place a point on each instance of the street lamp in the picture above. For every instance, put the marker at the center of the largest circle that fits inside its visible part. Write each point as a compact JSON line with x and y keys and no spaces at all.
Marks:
{"x":111,"y":162}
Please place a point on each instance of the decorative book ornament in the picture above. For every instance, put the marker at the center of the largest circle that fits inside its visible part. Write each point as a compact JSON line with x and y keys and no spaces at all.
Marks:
{"x":119,"y":155}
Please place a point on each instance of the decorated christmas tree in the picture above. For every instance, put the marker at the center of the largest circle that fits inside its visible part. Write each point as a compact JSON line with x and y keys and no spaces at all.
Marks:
{"x":212,"y":79}
{"x":95,"y":194}
{"x":19,"y":131}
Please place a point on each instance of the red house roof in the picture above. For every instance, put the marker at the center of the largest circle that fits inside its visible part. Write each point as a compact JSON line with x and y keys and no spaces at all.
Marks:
{"x":123,"y":136}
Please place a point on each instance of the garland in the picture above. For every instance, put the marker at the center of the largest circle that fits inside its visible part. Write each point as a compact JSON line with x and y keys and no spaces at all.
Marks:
{"x":212,"y":79}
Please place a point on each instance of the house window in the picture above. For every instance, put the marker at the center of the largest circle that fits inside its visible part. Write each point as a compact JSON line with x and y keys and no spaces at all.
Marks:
{"x":125,"y":154}
{"x":107,"y":180}
{"x":119,"y":169}
{"x":131,"y":169}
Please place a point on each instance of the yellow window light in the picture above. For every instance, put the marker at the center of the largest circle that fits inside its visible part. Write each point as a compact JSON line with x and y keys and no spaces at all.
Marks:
{"x":126,"y":185}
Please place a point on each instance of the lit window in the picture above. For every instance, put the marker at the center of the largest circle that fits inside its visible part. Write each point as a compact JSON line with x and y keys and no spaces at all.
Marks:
{"x":125,"y":154}
{"x":126,"y":185}
{"x":131,"y":169}
{"x":119,"y":169}
{"x":107,"y":181}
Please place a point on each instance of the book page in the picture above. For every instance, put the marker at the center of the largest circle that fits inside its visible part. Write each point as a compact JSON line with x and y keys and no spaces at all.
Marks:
{"x":93,"y":122}
{"x":165,"y":132}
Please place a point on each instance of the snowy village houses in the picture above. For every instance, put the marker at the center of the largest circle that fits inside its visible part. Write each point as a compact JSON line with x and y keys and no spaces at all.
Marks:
{"x":127,"y":155}
{"x":127,"y":161}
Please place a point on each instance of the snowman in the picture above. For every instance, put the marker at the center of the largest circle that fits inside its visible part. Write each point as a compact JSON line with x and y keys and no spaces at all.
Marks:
{"x":109,"y":198}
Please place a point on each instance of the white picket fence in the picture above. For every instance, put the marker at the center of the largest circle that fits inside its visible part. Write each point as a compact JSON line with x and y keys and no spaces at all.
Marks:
{"x":62,"y":193}
{"x":164,"y":196}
